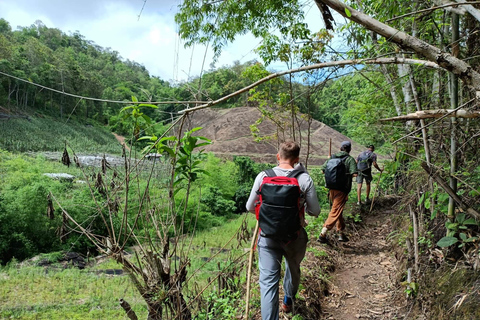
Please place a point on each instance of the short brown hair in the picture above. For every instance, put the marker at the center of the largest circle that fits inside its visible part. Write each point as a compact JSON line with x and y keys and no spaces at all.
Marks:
{"x":289,"y":150}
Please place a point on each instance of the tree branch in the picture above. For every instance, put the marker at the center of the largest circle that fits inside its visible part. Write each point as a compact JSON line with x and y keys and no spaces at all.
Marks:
{"x":463,"y":70}
{"x":426,"y":114}
{"x":433,"y":8}
{"x":128,"y":310}
{"x":342,"y":63}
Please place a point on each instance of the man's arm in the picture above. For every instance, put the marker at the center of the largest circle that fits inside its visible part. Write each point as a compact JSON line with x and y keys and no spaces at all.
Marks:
{"x":253,"y":198}
{"x":352,"y":166}
{"x":311,"y":199}
{"x":374,"y":158}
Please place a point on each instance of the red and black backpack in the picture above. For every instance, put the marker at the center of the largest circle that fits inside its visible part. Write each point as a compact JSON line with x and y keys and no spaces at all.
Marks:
{"x":279,"y":209}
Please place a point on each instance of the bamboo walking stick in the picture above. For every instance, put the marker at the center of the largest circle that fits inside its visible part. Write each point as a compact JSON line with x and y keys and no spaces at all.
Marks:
{"x":376,"y":189}
{"x":249,"y":270}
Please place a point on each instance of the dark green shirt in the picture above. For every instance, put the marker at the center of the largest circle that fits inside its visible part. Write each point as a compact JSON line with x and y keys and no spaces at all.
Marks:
{"x":351,"y":165}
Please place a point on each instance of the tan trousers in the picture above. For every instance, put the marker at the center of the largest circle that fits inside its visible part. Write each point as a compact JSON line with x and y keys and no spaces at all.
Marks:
{"x":338,"y":199}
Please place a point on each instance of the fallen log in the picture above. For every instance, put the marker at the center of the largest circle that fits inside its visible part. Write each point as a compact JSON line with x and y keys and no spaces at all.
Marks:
{"x":434,"y":174}
{"x":427,"y":114}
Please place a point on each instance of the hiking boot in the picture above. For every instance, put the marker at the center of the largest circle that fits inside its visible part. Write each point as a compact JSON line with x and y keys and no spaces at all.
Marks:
{"x":359,"y":203}
{"x":287,"y":305}
{"x":342,"y":238}
{"x":367,"y":201}
{"x":322,"y":239}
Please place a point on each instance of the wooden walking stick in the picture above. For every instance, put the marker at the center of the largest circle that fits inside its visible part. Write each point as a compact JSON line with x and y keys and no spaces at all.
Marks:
{"x":376,"y":188}
{"x":249,"y":270}
{"x":330,"y":149}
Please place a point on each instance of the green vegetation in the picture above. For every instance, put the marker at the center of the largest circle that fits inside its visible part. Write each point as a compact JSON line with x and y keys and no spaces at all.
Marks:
{"x":30,"y":292}
{"x":50,"y":134}
{"x":39,"y":293}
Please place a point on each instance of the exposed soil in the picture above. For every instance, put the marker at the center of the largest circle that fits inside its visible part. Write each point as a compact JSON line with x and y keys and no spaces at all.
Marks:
{"x":121,"y":139}
{"x":229,"y":130}
{"x":365,"y":283}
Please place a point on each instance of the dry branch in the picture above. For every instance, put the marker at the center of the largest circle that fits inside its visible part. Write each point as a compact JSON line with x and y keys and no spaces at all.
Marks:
{"x":128,"y":310}
{"x":427,"y":114}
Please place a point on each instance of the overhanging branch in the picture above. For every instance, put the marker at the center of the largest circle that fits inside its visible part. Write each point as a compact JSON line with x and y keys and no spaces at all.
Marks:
{"x":463,"y":70}
{"x":342,"y":63}
{"x":427,"y":114}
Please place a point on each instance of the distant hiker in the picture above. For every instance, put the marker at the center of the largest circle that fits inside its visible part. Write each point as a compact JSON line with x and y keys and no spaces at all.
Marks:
{"x":364,"y":166}
{"x":279,"y":197}
{"x":339,"y":171}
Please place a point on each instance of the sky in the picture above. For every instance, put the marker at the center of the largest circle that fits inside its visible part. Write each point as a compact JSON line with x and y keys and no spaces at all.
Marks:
{"x":142,"y":31}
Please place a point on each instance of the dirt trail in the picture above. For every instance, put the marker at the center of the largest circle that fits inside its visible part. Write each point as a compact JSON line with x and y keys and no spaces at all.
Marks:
{"x":121,"y":139}
{"x":365,"y":281}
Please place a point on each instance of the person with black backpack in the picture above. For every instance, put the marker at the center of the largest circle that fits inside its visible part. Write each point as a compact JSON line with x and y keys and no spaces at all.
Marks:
{"x":279,"y":198}
{"x":365,"y":160}
{"x":339,"y":171}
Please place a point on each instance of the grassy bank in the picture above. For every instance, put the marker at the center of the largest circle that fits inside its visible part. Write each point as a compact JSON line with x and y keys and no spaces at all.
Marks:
{"x":47,"y":134}
{"x":35,"y":292}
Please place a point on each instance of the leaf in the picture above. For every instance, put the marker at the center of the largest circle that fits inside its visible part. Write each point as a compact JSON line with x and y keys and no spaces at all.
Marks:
{"x":427,"y":203}
{"x":148,"y":105}
{"x":348,"y":13}
{"x":420,"y":201}
{"x":470,"y":221}
{"x":446,"y":242}
{"x":460,"y":218}
{"x":471,"y":239}
{"x":451,"y":226}
{"x":463,"y":236}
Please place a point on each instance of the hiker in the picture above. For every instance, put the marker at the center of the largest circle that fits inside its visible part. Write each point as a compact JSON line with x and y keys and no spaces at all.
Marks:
{"x":285,"y":236}
{"x":364,"y":167}
{"x":339,"y":171}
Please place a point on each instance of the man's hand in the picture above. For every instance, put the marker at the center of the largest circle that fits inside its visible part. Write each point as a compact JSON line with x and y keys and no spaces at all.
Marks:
{"x":303,"y":222}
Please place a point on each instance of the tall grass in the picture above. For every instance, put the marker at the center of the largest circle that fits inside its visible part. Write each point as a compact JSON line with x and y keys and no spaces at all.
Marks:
{"x":48,"y":293}
{"x":38,"y":293}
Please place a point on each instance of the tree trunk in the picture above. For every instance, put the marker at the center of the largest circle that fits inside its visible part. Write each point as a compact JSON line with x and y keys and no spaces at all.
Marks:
{"x":393,"y":93}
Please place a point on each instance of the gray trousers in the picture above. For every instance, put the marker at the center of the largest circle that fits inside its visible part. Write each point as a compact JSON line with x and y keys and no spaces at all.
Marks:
{"x":270,"y":253}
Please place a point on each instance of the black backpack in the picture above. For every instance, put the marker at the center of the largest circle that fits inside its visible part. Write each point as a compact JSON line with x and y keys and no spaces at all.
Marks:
{"x":278,"y":209}
{"x":364,"y":160}
{"x":336,"y":173}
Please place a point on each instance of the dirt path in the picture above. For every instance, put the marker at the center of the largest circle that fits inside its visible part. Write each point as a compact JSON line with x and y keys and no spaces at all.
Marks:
{"x":121,"y":139}
{"x":365,"y":282}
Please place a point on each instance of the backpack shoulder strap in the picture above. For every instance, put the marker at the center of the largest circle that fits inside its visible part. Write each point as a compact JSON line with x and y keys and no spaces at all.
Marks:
{"x":270,"y":173}
{"x":294,"y":173}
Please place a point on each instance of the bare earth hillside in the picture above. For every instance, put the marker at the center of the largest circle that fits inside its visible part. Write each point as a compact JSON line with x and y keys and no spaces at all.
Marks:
{"x":229,"y":130}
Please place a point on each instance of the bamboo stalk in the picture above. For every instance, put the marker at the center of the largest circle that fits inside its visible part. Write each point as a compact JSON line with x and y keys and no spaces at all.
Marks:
{"x":415,"y":236}
{"x":376,"y":189}
{"x":249,"y":270}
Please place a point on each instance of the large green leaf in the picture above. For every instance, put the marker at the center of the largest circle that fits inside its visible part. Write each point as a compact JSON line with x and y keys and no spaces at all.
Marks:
{"x":446,"y":242}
